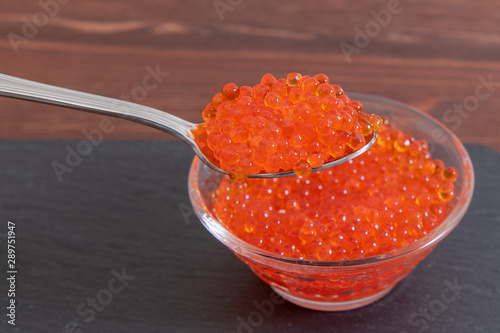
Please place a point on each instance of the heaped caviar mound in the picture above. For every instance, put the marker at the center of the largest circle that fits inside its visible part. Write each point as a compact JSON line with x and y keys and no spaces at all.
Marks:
{"x":297,"y":123}
{"x":382,"y":200}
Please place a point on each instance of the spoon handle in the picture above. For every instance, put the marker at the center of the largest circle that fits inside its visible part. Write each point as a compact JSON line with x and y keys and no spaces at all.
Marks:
{"x":14,"y":87}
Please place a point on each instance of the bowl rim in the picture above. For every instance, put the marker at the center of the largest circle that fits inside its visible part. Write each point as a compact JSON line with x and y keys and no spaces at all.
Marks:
{"x":429,"y":240}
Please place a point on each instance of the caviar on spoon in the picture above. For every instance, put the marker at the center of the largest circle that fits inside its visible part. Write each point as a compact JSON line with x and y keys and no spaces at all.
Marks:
{"x":277,"y":128}
{"x":298,"y":123}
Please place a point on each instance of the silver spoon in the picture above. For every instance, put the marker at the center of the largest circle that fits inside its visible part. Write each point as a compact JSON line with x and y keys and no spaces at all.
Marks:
{"x":15,"y":87}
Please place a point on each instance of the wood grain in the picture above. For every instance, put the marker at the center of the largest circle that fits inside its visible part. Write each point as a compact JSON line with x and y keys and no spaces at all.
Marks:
{"x":429,"y":55}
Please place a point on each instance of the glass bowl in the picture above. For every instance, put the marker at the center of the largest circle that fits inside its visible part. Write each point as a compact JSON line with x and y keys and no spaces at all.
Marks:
{"x":345,"y":285}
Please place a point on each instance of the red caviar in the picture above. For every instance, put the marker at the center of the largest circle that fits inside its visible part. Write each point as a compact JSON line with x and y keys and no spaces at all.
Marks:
{"x":382,"y":200}
{"x":294,"y":123}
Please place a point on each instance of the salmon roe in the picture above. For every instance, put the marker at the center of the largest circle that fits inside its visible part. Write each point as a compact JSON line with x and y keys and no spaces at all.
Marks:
{"x":382,"y":200}
{"x":294,"y":123}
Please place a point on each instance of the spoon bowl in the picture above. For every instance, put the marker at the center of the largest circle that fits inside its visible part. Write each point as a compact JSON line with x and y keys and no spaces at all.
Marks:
{"x":18,"y":88}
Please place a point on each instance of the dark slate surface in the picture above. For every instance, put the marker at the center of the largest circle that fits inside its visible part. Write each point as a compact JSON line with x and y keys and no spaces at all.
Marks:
{"x":123,"y":207}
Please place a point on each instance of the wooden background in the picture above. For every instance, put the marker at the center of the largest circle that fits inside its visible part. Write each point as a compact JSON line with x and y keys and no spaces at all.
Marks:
{"x":430,"y":55}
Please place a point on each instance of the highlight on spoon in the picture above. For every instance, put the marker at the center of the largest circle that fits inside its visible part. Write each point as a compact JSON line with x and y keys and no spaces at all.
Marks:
{"x":291,"y":173}
{"x":280,"y":127}
{"x":324,"y":166}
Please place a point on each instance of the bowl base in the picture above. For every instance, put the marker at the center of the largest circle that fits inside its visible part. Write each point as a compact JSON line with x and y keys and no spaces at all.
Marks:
{"x":332,"y":306}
